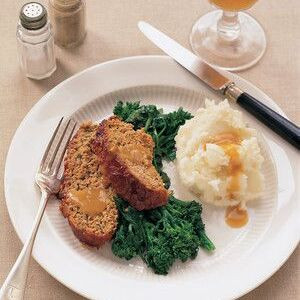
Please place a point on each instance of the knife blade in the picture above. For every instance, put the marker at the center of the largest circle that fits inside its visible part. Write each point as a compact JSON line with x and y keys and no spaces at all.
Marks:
{"x":220,"y":83}
{"x":184,"y":57}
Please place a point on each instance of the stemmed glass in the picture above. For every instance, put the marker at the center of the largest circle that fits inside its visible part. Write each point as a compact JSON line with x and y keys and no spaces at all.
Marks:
{"x":228,"y":38}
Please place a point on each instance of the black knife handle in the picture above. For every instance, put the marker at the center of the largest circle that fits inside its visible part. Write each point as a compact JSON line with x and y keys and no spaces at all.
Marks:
{"x":285,"y":128}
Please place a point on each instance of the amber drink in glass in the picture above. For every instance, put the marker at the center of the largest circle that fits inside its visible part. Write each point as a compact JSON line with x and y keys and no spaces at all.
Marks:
{"x":228,"y":38}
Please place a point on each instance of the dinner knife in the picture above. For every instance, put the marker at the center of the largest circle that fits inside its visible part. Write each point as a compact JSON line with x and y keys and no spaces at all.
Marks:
{"x":220,"y":83}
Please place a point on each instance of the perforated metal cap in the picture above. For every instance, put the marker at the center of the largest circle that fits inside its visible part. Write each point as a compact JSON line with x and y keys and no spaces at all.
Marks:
{"x":33,"y":15}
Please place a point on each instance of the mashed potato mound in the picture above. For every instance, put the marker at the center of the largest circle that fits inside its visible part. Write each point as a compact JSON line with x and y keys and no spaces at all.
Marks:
{"x":218,"y":157}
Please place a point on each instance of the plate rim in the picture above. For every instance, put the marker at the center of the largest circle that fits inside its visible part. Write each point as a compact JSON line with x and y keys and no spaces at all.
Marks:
{"x":53,"y":90}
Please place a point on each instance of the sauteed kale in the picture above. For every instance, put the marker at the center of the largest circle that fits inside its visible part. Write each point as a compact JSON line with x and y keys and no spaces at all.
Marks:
{"x":162,"y":127}
{"x":164,"y":234}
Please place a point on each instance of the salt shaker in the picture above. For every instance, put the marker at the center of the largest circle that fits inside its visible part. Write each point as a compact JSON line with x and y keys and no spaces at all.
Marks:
{"x":68,"y":19}
{"x":35,"y":42}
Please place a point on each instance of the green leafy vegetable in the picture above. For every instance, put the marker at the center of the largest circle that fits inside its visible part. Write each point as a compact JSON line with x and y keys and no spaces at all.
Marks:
{"x":162,"y":127}
{"x":164,"y":234}
{"x":161,"y":235}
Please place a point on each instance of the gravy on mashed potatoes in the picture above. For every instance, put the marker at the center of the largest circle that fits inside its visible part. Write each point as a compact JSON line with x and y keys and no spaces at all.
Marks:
{"x":219,"y":158}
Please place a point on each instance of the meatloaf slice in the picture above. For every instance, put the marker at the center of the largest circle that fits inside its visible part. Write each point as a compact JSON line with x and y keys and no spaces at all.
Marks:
{"x":81,"y":174}
{"x":125,"y":157}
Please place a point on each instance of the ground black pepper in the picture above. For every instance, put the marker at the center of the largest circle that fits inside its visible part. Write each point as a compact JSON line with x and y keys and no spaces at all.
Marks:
{"x":68,"y":19}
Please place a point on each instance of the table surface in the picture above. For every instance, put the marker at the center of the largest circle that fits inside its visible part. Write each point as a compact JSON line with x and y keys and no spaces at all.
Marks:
{"x":112,"y":33}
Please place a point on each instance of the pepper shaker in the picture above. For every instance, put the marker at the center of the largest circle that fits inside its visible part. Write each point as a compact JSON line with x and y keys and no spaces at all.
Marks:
{"x":68,"y":19}
{"x":35,"y":42}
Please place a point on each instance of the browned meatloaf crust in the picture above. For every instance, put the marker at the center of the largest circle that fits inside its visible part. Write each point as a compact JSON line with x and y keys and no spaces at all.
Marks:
{"x":125,"y":157}
{"x":81,"y":171}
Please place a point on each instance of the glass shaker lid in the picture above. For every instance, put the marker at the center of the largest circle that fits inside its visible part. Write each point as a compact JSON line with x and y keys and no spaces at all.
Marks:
{"x":33,"y":15}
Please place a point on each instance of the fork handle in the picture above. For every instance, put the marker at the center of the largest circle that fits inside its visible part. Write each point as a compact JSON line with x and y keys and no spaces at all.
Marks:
{"x":15,"y":283}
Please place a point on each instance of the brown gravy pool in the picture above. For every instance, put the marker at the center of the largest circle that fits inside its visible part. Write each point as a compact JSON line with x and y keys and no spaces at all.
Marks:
{"x":236,"y":217}
{"x":90,"y":200}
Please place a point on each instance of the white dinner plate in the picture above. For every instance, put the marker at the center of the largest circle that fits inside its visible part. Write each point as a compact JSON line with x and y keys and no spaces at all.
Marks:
{"x":243,"y":258}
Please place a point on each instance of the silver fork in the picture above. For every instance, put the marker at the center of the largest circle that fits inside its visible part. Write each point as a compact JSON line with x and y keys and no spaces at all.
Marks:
{"x":47,"y":178}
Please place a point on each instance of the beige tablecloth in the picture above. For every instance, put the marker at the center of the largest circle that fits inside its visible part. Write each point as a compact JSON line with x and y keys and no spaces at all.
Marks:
{"x":112,"y":33}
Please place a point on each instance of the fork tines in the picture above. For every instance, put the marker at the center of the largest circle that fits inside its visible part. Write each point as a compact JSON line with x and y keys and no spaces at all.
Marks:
{"x":54,"y":153}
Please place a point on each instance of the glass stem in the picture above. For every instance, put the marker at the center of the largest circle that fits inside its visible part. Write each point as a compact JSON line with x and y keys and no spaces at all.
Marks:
{"x":229,"y":26}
